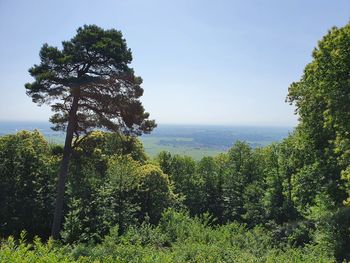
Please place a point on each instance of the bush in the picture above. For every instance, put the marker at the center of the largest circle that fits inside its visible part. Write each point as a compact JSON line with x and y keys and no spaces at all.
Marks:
{"x":27,"y":184}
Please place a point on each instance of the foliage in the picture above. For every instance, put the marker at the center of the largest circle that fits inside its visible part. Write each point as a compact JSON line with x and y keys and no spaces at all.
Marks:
{"x":155,"y":193}
{"x":90,"y":72}
{"x":178,"y":238}
{"x":88,"y":85}
{"x":240,"y":179}
{"x":27,"y":171}
{"x":321,"y":97}
{"x":285,"y":202}
{"x":21,"y":251}
{"x":182,"y":173}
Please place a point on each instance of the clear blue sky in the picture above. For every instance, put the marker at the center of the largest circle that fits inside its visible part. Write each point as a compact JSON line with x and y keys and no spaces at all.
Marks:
{"x":203,"y":62}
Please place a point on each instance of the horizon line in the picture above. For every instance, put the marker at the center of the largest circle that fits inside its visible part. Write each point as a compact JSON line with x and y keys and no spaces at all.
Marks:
{"x":181,"y":124}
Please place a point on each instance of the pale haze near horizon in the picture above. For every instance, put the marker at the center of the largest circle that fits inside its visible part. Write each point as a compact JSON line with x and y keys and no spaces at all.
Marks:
{"x":202,"y":62}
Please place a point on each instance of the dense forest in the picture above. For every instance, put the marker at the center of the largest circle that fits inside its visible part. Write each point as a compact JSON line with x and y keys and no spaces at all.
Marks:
{"x":285,"y":202}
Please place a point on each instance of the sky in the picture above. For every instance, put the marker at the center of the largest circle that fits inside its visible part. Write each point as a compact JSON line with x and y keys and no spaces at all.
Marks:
{"x":216,"y":62}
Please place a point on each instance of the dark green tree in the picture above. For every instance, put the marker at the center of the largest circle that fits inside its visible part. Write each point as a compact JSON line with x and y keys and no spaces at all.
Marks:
{"x":98,"y":201}
{"x":274,"y":198}
{"x":212,"y":202}
{"x":88,"y":84}
{"x":241,"y":171}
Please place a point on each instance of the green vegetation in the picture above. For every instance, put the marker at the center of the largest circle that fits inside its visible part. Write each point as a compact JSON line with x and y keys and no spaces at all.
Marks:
{"x":285,"y":202}
{"x":242,"y":205}
{"x":177,"y":238}
{"x":88,"y":85}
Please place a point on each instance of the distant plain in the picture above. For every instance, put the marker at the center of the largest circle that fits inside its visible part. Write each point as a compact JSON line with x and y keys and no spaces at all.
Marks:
{"x":192,"y":140}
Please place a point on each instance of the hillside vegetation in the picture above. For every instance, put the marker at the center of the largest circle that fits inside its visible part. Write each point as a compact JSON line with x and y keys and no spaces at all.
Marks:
{"x":285,"y":202}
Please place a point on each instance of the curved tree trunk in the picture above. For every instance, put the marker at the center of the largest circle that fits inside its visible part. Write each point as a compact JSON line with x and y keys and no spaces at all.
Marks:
{"x":62,"y":176}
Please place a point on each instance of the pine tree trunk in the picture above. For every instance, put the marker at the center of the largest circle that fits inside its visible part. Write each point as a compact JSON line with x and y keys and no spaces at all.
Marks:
{"x":62,"y":176}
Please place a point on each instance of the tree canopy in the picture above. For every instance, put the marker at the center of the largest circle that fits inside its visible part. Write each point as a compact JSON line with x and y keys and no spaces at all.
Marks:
{"x":283,"y":202}
{"x":93,"y":67}
{"x":88,"y":84}
{"x":322,"y":99}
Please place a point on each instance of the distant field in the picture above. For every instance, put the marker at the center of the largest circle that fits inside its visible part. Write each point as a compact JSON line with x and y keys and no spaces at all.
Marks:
{"x":192,"y":140}
{"x":153,"y":147}
{"x":204,"y":140}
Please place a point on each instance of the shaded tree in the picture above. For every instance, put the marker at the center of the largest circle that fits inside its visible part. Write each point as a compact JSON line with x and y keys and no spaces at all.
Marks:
{"x":97,"y":204}
{"x":239,"y":173}
{"x":208,"y":171}
{"x":274,"y":198}
{"x":88,"y":84}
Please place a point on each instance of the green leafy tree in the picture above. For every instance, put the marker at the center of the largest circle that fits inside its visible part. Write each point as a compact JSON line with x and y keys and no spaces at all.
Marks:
{"x":187,"y":184}
{"x":290,"y":160}
{"x":322,"y":98}
{"x":155,"y":193}
{"x":123,"y":189}
{"x":278,"y":184}
{"x":164,"y":159}
{"x":117,"y":143}
{"x":27,"y":181}
{"x":212,"y":180}
{"x":274,"y":198}
{"x":240,"y":171}
{"x":97,"y":204}
{"x":88,"y":84}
